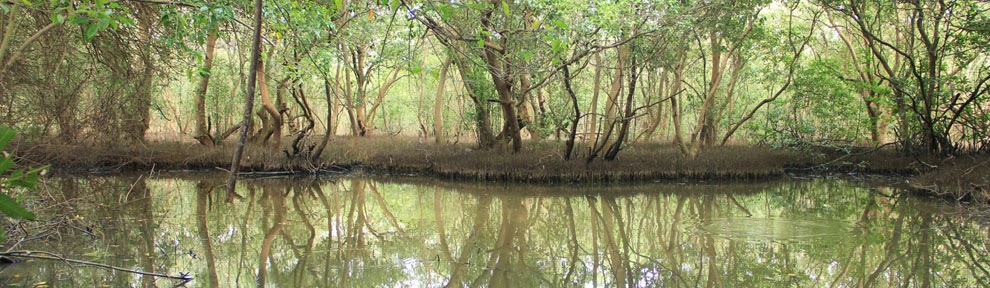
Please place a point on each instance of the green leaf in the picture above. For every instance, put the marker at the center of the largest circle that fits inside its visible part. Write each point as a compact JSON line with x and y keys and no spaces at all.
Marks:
{"x":27,"y":179}
{"x":561,"y":24}
{"x":126,"y":21}
{"x":10,"y":207}
{"x":526,"y":55}
{"x":481,"y":43}
{"x":102,"y":24}
{"x":557,"y":45}
{"x":339,"y":4}
{"x":79,"y":20}
{"x":505,"y":8}
{"x":90,"y":32}
{"x":58,"y":18}
{"x":6,"y":164}
{"x":446,"y":11}
{"x":6,"y":134}
{"x":476,"y":6}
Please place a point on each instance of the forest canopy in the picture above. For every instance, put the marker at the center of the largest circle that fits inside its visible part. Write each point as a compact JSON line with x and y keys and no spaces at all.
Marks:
{"x":595,"y":75}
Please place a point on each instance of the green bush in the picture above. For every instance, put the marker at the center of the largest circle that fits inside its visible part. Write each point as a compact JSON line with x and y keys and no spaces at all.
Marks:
{"x":10,"y":180}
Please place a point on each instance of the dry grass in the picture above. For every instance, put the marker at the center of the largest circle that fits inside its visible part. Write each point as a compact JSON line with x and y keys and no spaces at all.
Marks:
{"x":543,"y":162}
{"x":963,"y":178}
{"x":538,"y":162}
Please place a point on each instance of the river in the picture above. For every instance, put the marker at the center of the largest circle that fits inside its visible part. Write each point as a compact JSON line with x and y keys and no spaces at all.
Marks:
{"x":356,"y":231}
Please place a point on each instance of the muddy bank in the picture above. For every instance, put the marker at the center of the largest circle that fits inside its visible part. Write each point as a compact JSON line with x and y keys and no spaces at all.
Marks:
{"x":964,"y":178}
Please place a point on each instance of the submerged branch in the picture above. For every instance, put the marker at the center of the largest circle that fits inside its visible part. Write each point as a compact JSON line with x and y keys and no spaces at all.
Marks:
{"x":43,"y":255}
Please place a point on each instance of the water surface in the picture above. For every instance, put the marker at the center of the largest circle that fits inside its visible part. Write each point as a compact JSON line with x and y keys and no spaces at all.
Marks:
{"x":363,"y":232}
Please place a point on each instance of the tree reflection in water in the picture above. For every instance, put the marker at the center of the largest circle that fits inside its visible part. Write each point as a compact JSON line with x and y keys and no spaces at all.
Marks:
{"x":413,"y":232}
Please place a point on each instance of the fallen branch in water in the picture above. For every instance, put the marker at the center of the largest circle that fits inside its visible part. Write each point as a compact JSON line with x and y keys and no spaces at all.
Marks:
{"x":843,"y":157}
{"x":43,"y":255}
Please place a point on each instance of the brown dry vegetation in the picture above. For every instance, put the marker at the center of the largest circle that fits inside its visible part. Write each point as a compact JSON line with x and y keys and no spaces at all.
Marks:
{"x":965,"y":177}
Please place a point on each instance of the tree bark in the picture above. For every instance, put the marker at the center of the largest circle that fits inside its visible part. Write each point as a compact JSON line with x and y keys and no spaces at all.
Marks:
{"x":577,"y":114}
{"x":524,"y":107}
{"x":590,"y":123}
{"x":202,"y":133}
{"x":438,"y":101}
{"x":627,"y":115}
{"x":607,"y":128}
{"x":501,"y":71}
{"x":613,"y":96}
{"x":486,"y":137}
{"x":274,"y":128}
{"x":703,"y":134}
{"x":382,"y":92}
{"x":330,"y":120}
{"x":235,"y":165}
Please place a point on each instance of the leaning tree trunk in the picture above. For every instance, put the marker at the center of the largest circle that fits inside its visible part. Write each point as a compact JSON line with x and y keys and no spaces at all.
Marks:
{"x":235,"y":163}
{"x":330,"y":120}
{"x":501,"y":71}
{"x":273,"y":129}
{"x":569,"y":149}
{"x":627,"y":115}
{"x":590,"y":123}
{"x":503,"y":85}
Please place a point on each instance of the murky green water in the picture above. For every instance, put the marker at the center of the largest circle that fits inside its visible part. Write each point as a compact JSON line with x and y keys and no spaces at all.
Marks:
{"x":414,"y":232}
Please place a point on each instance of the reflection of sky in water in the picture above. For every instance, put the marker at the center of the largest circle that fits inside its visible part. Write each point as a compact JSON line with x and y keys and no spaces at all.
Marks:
{"x":360,"y":233}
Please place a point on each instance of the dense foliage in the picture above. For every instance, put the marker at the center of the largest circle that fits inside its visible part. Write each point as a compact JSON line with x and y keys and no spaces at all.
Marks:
{"x":594,"y":74}
{"x":13,"y":181}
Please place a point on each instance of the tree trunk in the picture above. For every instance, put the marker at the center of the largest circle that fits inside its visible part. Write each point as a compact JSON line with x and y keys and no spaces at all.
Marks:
{"x":235,"y":165}
{"x":137,"y":118}
{"x":704,"y":133}
{"x":590,"y":123}
{"x":360,"y":108}
{"x":486,"y":137}
{"x":604,"y":133}
{"x":675,"y":96}
{"x":656,"y":87}
{"x":330,"y":121}
{"x":202,"y":133}
{"x":438,"y":102}
{"x":382,"y":92}
{"x":613,"y":96}
{"x":299,"y":95}
{"x":627,"y":116}
{"x":577,"y":114}
{"x":274,"y":127}
{"x":499,"y":70}
{"x":524,"y":107}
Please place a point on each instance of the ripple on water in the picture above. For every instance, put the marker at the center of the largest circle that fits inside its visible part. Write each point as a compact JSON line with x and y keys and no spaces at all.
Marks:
{"x":775,"y":229}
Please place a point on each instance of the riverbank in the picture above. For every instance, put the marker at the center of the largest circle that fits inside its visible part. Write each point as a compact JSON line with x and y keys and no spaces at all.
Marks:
{"x":964,"y":178}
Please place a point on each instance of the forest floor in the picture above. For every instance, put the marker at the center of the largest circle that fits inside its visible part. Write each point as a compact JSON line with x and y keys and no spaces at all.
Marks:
{"x":964,"y":178}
